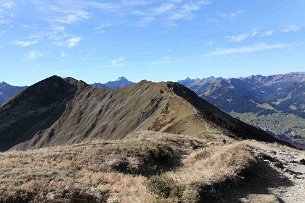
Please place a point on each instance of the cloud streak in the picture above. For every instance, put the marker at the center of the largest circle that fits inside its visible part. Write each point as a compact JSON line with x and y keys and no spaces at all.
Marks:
{"x":70,"y":17}
{"x":32,"y":55}
{"x":25,"y":43}
{"x":229,"y":15}
{"x":56,"y":35}
{"x":5,"y":7}
{"x":172,"y":11}
{"x":72,"y":42}
{"x":238,"y":38}
{"x":291,"y":28}
{"x":241,"y":37}
{"x":247,"y":49}
{"x":267,"y":33}
{"x":119,"y":62}
{"x":101,"y":29}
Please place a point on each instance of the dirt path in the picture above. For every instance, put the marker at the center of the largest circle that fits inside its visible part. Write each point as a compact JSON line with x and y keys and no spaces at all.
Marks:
{"x":286,"y":162}
{"x":279,"y":177}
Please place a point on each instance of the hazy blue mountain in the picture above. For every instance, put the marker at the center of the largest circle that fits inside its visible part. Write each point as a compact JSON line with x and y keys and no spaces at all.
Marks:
{"x":8,"y":91}
{"x":99,"y":85}
{"x":120,"y":82}
{"x":198,"y":85}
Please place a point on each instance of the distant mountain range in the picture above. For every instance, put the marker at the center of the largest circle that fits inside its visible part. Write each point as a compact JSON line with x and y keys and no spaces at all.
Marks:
{"x":274,"y":103}
{"x":120,"y":82}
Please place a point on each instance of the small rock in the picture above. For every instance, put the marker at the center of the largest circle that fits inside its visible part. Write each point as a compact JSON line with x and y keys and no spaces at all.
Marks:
{"x":279,"y":165}
{"x":302,"y":161}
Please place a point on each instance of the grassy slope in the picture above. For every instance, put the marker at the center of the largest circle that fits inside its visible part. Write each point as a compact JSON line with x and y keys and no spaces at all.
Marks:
{"x":146,"y":167}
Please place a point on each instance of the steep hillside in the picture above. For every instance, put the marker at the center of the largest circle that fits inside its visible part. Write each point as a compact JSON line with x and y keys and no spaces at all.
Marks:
{"x":60,"y":111}
{"x":232,"y":99}
{"x":8,"y":91}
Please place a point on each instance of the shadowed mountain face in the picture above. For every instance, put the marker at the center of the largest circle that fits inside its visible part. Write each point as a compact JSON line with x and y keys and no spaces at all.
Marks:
{"x":8,"y":91}
{"x":274,"y":103}
{"x":60,"y":111}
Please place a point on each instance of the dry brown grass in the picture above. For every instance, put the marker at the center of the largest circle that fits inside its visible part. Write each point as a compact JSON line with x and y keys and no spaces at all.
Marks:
{"x":215,"y":164}
{"x":207,"y":167}
{"x":91,"y":171}
{"x":145,"y":167}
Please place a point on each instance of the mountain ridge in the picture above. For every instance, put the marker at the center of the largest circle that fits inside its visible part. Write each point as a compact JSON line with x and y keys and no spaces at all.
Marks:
{"x":60,"y":111}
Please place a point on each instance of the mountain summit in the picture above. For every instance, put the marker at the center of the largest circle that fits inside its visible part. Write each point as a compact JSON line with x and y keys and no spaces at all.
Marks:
{"x":59,"y":111}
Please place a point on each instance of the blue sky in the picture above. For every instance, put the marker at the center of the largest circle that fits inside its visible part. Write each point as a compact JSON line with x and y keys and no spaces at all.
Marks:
{"x":97,"y":40}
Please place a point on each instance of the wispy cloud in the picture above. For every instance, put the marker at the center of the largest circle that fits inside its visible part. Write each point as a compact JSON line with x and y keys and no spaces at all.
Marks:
{"x":186,"y":10}
{"x":163,"y":8}
{"x":55,"y":35}
{"x":5,"y":7}
{"x":156,"y":12}
{"x":25,"y":43}
{"x":119,"y":62}
{"x":74,"y":11}
{"x":267,"y":33}
{"x":63,"y":54}
{"x":291,"y":28}
{"x":230,"y":14}
{"x":62,"y":12}
{"x":70,"y":17}
{"x":241,"y":37}
{"x":172,"y":11}
{"x":122,"y":6}
{"x":32,"y":55}
{"x":238,"y":38}
{"x":247,"y":49}
{"x":142,"y":12}
{"x":256,"y":33}
{"x":101,"y":29}
{"x":72,"y":42}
